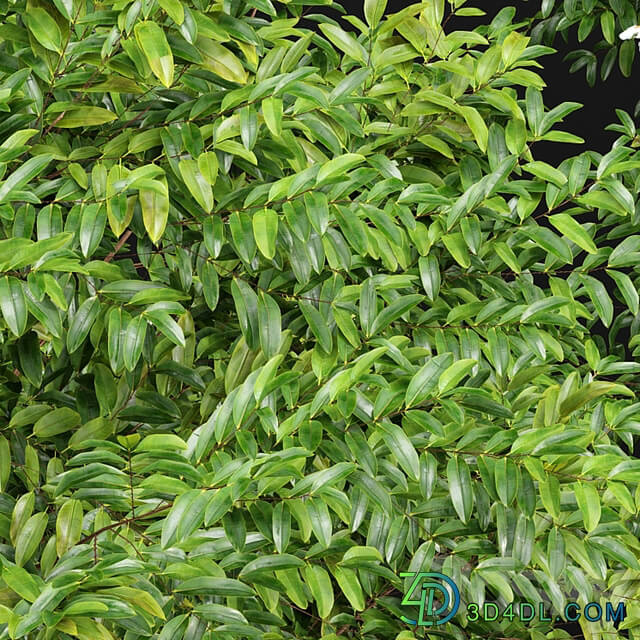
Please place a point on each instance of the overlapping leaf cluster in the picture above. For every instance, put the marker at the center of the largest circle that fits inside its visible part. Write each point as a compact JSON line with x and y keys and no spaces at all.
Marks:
{"x":289,"y":311}
{"x":602,"y":19}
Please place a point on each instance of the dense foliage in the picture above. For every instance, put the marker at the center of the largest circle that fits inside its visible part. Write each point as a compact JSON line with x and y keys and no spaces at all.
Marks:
{"x":288,"y":311}
{"x":598,"y":20}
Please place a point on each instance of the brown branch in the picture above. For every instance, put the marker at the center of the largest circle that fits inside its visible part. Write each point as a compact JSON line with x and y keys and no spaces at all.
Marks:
{"x":115,"y":525}
{"x":119,"y":246}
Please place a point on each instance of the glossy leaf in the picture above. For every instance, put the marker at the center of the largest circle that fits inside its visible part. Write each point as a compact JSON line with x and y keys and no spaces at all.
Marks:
{"x":153,"y":42}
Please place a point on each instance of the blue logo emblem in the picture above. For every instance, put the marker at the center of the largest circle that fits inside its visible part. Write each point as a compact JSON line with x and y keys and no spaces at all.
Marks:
{"x":430,"y":587}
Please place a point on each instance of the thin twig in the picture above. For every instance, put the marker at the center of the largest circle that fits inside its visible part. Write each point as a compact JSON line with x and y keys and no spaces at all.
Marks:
{"x":119,"y":246}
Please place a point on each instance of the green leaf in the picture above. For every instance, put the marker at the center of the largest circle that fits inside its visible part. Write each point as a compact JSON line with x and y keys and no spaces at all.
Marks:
{"x":23,"y":175}
{"x":456,"y":246}
{"x":460,"y":488}
{"x":626,"y":471}
{"x":242,"y":234}
{"x":476,"y":123}
{"x":545,"y":305}
{"x":573,"y":230}
{"x":402,"y":448}
{"x":348,"y":582}
{"x":600,"y":298}
{"x":338,"y":166}
{"x":272,"y":112}
{"x":317,"y":324}
{"x":162,"y":442}
{"x":548,"y":241}
{"x":589,"y":392}
{"x":394,"y":311}
{"x":210,"y":285}
{"x":210,"y":586}
{"x":29,"y":538}
{"x":44,"y":28}
{"x":29,"y":354}
{"x":513,"y":47}
{"x":153,"y":42}
{"x":615,"y":550}
{"x":265,"y":231}
{"x":269,"y":564}
{"x":166,"y":325}
{"x":221,"y":61}
{"x":198,"y":187}
{"x":506,"y":480}
{"x":345,"y":42}
{"x":5,"y":463}
{"x":438,"y":144}
{"x":56,"y":422}
{"x":319,"y":583}
{"x":188,"y":507}
{"x":373,"y":11}
{"x":589,"y":504}
{"x":430,"y":276}
{"x":82,"y":321}
{"x":269,"y":320}
{"x":68,"y":526}
{"x":507,"y":255}
{"x":627,"y":289}
{"x":84,"y":117}
{"x":155,"y":211}
{"x":174,"y":10}
{"x":317,"y":211}
{"x":25,"y":584}
{"x":219,"y":503}
{"x":13,"y":304}
{"x":425,"y":381}
{"x":601,"y":200}
{"x":132,"y":341}
{"x":281,"y":526}
{"x":626,"y":55}
{"x":208,"y":166}
{"x":450,"y":378}
{"x":320,"y":518}
{"x":314,"y":482}
{"x":546,"y":172}
{"x":92,"y":225}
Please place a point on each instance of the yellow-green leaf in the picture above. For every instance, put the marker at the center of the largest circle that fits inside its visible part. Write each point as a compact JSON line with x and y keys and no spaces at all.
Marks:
{"x":208,"y":165}
{"x":373,"y":11}
{"x":345,"y":42}
{"x":477,"y":125}
{"x":174,"y":10}
{"x":588,"y":501}
{"x":155,"y":210}
{"x":153,"y":42}
{"x":221,"y":61}
{"x":29,"y":538}
{"x":68,"y":526}
{"x":56,"y":422}
{"x":573,"y":230}
{"x":272,"y":113}
{"x":84,"y":117}
{"x":319,"y":584}
{"x":44,"y":28}
{"x":265,"y":231}
{"x":198,"y":187}
{"x":13,"y":304}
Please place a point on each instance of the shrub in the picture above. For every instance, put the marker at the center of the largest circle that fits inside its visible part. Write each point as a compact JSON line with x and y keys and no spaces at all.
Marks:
{"x":604,"y":20}
{"x":289,"y":312}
